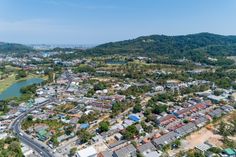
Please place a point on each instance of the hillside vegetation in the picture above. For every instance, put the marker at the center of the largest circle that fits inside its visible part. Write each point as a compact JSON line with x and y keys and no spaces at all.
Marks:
{"x":14,"y":48}
{"x":205,"y":44}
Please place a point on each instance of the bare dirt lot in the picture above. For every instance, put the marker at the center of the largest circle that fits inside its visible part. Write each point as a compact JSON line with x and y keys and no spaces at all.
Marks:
{"x":202,"y":136}
{"x":197,"y":138}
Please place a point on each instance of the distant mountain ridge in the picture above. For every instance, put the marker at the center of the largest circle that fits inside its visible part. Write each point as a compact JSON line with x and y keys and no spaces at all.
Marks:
{"x":193,"y":46}
{"x":14,"y":48}
{"x":178,"y":46}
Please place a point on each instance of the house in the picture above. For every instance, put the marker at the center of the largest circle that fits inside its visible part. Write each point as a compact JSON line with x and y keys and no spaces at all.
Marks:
{"x":149,"y":150}
{"x":127,"y":151}
{"x":43,"y":135}
{"x":192,"y":109}
{"x":40,"y":100}
{"x":201,"y":121}
{"x":216,"y":113}
{"x":165,"y":139}
{"x":84,"y":126}
{"x":3,"y":135}
{"x":118,"y":136}
{"x":139,"y":128}
{"x":183,"y":112}
{"x":174,"y":125}
{"x":27,"y":151}
{"x":200,"y":106}
{"x":87,"y":152}
{"x":166,"y":120}
{"x":134,"y":117}
{"x":117,"y":144}
{"x":105,"y":154}
{"x":203,"y":147}
{"x":64,"y":137}
{"x":186,"y":129}
{"x":40,"y":127}
{"x":97,"y":138}
{"x":74,"y":120}
{"x":227,"y":108}
{"x":158,"y":88}
{"x":216,"y":99}
{"x":127,"y":123}
{"x":228,"y":153}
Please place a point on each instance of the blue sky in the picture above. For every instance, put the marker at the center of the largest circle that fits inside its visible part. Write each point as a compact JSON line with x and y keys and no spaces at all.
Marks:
{"x":100,"y":21}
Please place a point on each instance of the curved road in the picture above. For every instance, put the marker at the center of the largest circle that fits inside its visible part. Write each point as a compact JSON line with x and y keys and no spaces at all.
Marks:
{"x":42,"y":151}
{"x":16,"y":127}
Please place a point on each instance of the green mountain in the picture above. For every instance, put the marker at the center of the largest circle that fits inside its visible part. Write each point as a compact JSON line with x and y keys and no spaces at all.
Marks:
{"x":204,"y":44}
{"x":14,"y":48}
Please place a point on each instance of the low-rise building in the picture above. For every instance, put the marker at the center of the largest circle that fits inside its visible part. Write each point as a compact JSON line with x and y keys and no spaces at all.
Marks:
{"x":186,"y":129}
{"x":87,"y":152}
{"x":165,"y":139}
{"x":166,"y":120}
{"x":127,"y":151}
{"x":149,"y":150}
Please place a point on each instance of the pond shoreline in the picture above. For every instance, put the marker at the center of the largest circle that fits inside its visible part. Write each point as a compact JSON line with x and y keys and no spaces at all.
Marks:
{"x":14,"y":89}
{"x":7,"y":82}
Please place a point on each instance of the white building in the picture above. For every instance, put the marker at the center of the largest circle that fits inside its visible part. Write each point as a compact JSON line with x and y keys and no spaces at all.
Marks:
{"x":87,"y":152}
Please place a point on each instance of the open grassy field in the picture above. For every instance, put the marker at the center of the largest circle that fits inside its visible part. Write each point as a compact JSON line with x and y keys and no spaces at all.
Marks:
{"x":7,"y":82}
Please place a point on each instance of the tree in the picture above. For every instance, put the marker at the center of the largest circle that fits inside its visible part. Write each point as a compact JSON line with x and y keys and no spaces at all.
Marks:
{"x":224,"y":129}
{"x":90,"y":93}
{"x":21,"y":74}
{"x":54,"y":141}
{"x":146,"y":128}
{"x":185,"y":121}
{"x":139,"y":155}
{"x":100,"y":86}
{"x":215,"y":150}
{"x":137,"y":108}
{"x":176,"y":144}
{"x":103,"y":126}
{"x":117,"y":108}
{"x":234,"y":126}
{"x":135,"y":90}
{"x":130,"y":132}
{"x":84,"y":135}
{"x":166,"y":147}
{"x":30,"y":118}
{"x":73,"y":151}
{"x":157,"y":109}
{"x":50,"y":76}
{"x":193,"y":153}
{"x":69,"y":130}
{"x":4,"y":106}
{"x":31,"y":89}
{"x":84,"y":68}
{"x":15,"y":147}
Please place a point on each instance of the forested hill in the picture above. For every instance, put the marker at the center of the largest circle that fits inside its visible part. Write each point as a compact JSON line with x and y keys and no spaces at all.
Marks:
{"x":178,"y":46}
{"x":13,"y":48}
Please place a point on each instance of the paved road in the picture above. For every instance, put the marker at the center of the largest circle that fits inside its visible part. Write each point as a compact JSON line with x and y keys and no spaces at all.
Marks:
{"x":25,"y":139}
{"x":68,"y":76}
{"x":16,"y":127}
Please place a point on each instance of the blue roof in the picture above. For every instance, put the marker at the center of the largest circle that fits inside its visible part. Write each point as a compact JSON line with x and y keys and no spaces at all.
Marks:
{"x":134,"y":117}
{"x":230,"y":151}
{"x":84,"y":126}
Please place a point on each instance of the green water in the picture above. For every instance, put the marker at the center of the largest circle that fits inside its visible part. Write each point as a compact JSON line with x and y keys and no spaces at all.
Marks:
{"x":14,"y":89}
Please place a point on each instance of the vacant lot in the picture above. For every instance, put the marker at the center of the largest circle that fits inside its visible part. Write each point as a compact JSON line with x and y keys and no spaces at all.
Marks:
{"x":197,"y":138}
{"x":202,"y":136}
